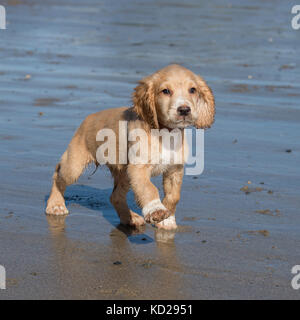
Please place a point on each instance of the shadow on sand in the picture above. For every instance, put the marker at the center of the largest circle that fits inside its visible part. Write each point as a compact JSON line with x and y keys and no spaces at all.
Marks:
{"x":98,"y":200}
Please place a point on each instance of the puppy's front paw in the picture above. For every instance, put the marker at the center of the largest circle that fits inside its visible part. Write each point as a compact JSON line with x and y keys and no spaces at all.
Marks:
{"x":132,"y":220}
{"x":56,"y":209}
{"x":136,"y":221}
{"x":167,"y":224}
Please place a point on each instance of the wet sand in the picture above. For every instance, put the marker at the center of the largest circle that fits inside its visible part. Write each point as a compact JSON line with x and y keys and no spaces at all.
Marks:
{"x":62,"y":60}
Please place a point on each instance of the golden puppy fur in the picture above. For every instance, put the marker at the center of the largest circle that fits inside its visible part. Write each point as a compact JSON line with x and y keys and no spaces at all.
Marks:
{"x":173,"y":97}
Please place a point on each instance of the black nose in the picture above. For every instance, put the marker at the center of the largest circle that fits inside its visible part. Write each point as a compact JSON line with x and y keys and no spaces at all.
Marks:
{"x":183,"y":110}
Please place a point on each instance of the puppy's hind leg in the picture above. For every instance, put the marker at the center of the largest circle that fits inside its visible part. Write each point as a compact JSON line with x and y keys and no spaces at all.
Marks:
{"x":67,"y":171}
{"x":119,"y":201}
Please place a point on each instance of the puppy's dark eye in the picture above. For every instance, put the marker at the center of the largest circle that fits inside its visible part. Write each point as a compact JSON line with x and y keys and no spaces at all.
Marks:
{"x":192,"y":90}
{"x":166,"y":91}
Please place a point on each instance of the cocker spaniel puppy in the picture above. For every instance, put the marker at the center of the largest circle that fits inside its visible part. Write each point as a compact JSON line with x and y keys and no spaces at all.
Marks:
{"x":171,"y":98}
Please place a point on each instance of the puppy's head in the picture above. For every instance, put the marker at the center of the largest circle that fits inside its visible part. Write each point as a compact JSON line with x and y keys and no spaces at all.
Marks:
{"x":174,"y":97}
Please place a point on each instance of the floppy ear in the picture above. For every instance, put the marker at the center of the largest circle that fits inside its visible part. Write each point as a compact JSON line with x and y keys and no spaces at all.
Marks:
{"x":144,"y":102}
{"x":206,"y":105}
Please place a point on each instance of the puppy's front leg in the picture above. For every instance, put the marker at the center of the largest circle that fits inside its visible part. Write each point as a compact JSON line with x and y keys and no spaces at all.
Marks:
{"x":146,"y":194}
{"x":172,"y":181}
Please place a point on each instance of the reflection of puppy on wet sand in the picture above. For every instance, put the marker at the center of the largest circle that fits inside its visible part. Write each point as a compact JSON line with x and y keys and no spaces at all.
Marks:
{"x":171,"y":98}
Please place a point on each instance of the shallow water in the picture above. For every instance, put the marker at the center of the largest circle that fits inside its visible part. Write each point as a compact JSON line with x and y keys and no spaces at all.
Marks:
{"x":62,"y":60}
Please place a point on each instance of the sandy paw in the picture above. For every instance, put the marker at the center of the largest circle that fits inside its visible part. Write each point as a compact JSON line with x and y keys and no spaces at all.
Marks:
{"x":136,"y":220}
{"x":57,"y":209}
{"x":157,"y":216}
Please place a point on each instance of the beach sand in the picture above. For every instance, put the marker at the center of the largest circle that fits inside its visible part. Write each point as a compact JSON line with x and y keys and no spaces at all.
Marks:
{"x":62,"y":60}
